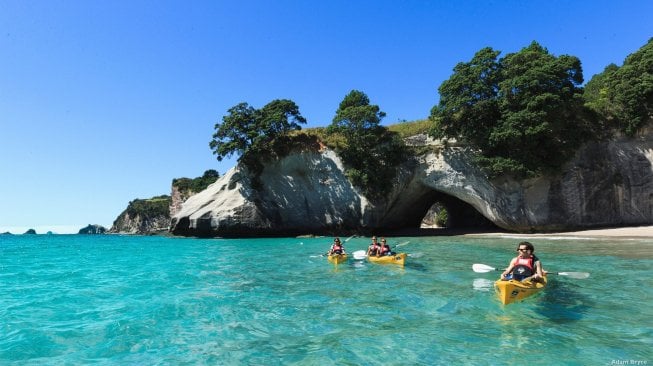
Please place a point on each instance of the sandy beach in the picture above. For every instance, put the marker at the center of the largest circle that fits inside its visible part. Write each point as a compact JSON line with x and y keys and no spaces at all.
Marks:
{"x":622,"y":232}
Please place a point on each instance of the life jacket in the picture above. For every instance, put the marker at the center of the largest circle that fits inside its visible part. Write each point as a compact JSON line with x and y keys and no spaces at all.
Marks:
{"x":374,"y":248}
{"x":524,"y":267}
{"x":385,"y":250}
{"x":336,"y":249}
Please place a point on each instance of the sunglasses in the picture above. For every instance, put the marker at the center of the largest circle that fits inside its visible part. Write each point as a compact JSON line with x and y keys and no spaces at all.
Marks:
{"x":523,"y":250}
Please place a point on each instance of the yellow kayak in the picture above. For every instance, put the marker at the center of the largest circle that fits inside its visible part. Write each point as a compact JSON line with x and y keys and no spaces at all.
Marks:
{"x":337,"y":258}
{"x":510,"y":291}
{"x":399,"y":259}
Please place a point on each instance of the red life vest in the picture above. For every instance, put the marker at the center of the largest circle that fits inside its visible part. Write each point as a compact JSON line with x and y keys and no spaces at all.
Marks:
{"x":336,"y":248}
{"x":524,"y":267}
{"x":385,"y":249}
{"x":528,"y":262}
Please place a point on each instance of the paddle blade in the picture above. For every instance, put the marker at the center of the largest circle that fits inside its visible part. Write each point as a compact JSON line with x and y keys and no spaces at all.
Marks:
{"x":402,"y":244}
{"x":482,"y":268}
{"x":576,"y":275}
{"x":359,"y":254}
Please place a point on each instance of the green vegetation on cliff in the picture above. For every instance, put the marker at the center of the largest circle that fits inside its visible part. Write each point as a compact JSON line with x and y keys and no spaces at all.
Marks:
{"x":155,"y":206}
{"x":195,"y":185}
{"x":523,"y":112}
{"x":251,"y":132}
{"x":623,"y":96}
{"x":370,"y":152}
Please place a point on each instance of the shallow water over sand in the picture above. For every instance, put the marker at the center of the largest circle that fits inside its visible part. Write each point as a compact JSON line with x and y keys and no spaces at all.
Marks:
{"x":70,"y":299}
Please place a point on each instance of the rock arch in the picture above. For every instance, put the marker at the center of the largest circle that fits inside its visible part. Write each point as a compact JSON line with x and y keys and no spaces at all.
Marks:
{"x":460,"y":215}
{"x":309,"y":193}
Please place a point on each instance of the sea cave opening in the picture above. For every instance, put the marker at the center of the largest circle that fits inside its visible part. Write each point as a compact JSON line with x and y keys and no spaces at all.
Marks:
{"x":443,"y":211}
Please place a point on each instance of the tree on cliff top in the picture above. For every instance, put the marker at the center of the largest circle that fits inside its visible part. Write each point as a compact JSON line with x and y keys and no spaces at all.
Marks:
{"x":524,"y":112}
{"x":249,"y":132}
{"x":623,"y":96}
{"x":370,"y":151}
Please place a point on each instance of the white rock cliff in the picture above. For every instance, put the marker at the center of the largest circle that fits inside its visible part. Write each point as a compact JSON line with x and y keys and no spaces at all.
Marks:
{"x":606,"y":184}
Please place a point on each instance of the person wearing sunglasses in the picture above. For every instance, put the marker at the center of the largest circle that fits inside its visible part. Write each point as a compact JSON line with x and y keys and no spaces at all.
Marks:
{"x":374,"y":248}
{"x":525,"y":265}
{"x":385,"y":248}
{"x":337,"y":247}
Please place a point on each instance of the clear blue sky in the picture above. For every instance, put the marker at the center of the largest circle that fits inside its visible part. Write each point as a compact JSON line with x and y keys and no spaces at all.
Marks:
{"x":102,"y":102}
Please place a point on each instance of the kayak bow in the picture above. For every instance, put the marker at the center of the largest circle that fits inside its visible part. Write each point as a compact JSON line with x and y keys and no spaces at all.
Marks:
{"x":337,"y":258}
{"x":510,"y":291}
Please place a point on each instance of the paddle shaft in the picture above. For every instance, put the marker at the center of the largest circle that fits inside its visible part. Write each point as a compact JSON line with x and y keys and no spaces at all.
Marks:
{"x":483,"y":268}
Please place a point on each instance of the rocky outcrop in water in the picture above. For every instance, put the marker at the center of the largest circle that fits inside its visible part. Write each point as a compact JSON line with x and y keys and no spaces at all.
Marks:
{"x":92,"y":230}
{"x":606,"y":184}
{"x":152,"y":216}
{"x":149,"y":216}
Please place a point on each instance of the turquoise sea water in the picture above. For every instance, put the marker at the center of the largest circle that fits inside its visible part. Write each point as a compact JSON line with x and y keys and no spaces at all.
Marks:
{"x":128,"y":300}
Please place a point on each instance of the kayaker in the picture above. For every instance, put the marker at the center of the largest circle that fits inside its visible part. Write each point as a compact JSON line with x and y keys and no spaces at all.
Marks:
{"x":525,"y":266}
{"x":373,"y":248}
{"x":337,"y":247}
{"x":385,"y":248}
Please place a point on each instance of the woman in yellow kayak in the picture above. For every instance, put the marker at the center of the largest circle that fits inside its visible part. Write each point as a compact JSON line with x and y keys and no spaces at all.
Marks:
{"x":373,"y":248}
{"x":385,"y":248}
{"x":525,"y":265}
{"x":337,"y":247}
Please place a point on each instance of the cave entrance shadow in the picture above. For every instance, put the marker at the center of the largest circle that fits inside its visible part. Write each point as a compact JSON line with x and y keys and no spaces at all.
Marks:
{"x":462,"y":218}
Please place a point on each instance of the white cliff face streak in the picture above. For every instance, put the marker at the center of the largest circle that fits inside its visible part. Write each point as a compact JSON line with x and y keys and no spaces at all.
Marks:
{"x":606,"y":184}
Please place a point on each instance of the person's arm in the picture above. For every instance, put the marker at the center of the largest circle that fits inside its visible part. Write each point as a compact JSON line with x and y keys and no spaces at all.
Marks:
{"x":539,"y":272}
{"x":509,"y":269}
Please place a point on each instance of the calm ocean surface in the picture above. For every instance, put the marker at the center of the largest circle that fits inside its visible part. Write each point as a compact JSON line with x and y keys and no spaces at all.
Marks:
{"x":129,"y":300}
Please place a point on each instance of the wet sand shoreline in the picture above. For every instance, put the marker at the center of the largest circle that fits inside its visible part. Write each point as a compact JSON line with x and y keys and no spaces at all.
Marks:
{"x":620,"y":232}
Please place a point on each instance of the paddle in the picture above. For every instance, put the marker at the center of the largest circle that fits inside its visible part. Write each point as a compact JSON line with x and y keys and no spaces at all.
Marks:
{"x":359,"y":254}
{"x":401,"y":244}
{"x":483,"y":268}
{"x":362,"y":254}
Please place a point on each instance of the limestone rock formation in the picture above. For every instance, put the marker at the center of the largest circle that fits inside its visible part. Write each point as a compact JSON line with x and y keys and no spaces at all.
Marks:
{"x":144,"y":217}
{"x":177,"y":198}
{"x":92,"y":230}
{"x":140,"y":224}
{"x":304,"y":192}
{"x":607,"y":183}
